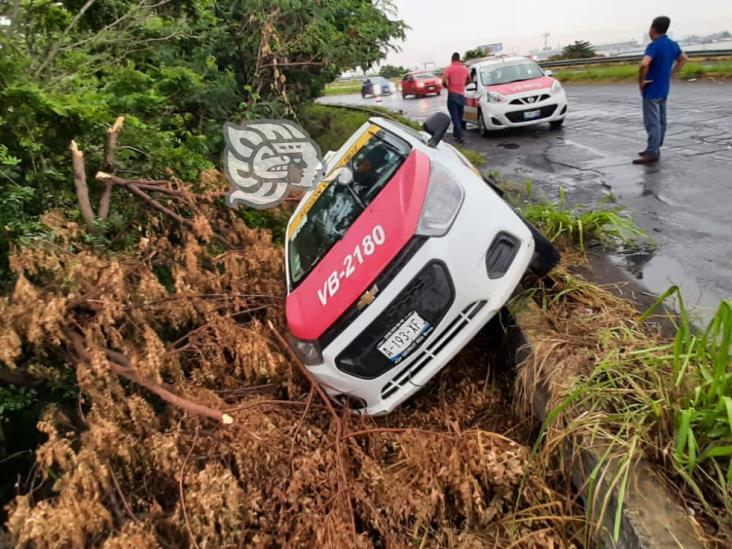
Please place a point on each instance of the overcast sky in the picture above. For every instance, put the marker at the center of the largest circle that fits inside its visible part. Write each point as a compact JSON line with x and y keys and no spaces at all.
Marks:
{"x":439,"y":27}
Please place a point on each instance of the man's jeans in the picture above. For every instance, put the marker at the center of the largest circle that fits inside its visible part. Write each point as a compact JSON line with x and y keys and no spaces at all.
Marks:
{"x":455,"y":106}
{"x":654,"y":119}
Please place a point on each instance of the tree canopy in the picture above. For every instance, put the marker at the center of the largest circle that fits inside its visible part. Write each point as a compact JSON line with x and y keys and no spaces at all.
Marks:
{"x":580,"y":49}
{"x":392,"y":71}
{"x":175,"y":69}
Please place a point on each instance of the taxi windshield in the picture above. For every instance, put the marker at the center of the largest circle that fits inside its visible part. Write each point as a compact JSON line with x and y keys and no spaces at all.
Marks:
{"x":323,"y":222}
{"x":504,"y":73}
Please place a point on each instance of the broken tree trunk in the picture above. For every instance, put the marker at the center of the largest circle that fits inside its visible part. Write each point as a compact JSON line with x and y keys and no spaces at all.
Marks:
{"x":110,"y":165}
{"x":82,"y":190}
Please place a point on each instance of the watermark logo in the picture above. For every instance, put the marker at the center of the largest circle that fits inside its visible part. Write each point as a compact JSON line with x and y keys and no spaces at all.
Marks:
{"x":265,"y":159}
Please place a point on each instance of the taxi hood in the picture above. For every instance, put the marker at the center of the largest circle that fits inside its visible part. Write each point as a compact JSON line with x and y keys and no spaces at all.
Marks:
{"x":541,"y":83}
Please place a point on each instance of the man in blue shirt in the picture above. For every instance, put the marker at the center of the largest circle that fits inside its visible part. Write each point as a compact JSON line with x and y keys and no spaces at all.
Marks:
{"x":662,"y":59}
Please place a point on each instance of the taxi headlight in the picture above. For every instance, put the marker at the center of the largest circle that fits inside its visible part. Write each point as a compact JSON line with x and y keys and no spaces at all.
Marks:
{"x":307,"y":351}
{"x":495,"y":97}
{"x":556,"y":86}
{"x":444,"y":197}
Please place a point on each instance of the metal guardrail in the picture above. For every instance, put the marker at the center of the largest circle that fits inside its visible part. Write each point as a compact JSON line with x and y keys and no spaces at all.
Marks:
{"x":626,"y":58}
{"x":589,"y":61}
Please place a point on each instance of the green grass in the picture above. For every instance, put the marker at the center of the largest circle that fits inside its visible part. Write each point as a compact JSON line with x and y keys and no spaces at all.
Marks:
{"x":624,"y":72}
{"x":343,"y":88}
{"x":702,"y":370}
{"x":580,"y":226}
{"x":669,"y":402}
{"x":350,"y":87}
{"x":473,"y":156}
{"x":331,"y":126}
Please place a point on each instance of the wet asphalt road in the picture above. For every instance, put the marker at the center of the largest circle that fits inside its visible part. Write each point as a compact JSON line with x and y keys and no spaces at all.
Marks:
{"x":684,"y":202}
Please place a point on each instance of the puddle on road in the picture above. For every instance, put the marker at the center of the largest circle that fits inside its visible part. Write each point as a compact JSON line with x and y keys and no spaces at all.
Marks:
{"x":660,"y":272}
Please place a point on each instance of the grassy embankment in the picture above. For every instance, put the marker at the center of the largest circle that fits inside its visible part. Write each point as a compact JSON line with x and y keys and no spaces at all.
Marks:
{"x":617,"y":383}
{"x":629,"y":72}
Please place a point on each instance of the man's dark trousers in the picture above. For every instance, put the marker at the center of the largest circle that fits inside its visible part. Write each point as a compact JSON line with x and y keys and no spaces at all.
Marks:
{"x":455,"y":106}
{"x":654,"y":119}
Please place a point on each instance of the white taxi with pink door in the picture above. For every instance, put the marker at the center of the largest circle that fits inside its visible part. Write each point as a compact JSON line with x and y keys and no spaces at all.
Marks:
{"x":396,"y":259}
{"x":509,"y":92}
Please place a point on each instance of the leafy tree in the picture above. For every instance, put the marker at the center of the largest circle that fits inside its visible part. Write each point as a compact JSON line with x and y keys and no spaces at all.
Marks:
{"x":175,"y":70}
{"x":392,"y":71}
{"x":579,"y":50}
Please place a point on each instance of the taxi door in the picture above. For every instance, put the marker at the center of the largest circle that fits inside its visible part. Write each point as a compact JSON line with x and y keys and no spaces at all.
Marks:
{"x":472,"y":98}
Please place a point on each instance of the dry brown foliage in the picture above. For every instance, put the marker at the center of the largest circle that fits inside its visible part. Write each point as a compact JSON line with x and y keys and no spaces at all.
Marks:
{"x":125,"y":468}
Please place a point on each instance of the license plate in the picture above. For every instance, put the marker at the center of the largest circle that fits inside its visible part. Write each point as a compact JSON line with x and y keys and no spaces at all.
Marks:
{"x":531,"y":115}
{"x":404,"y":337}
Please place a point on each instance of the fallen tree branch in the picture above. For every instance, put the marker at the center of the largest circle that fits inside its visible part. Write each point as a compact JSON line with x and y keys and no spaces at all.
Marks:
{"x":134,"y":189}
{"x":82,"y":190}
{"x":326,"y":400}
{"x":116,"y":180}
{"x":342,"y":471}
{"x":133,"y":186}
{"x":122,"y":366}
{"x":182,"y":494}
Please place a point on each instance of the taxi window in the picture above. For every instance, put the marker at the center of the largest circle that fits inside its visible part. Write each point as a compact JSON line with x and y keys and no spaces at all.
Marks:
{"x":339,"y":205}
{"x":510,"y":72}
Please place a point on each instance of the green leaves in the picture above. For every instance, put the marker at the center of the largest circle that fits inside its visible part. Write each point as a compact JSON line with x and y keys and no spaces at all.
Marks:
{"x":580,"y":226}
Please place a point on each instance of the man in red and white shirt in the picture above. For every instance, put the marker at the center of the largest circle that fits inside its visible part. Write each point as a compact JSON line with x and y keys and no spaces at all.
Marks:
{"x":455,"y":77}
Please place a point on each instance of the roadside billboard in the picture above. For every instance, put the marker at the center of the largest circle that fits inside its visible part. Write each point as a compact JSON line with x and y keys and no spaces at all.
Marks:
{"x":495,"y":48}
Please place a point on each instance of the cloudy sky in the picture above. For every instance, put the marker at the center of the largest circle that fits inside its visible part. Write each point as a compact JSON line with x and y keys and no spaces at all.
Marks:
{"x":439,"y":27}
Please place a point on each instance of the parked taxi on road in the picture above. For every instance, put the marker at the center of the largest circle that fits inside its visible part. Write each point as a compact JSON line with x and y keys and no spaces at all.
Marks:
{"x":508,"y":92}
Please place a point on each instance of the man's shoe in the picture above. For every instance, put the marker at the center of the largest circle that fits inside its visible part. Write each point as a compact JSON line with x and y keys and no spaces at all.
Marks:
{"x":461,"y":140}
{"x":642,"y":153}
{"x":646,"y":159}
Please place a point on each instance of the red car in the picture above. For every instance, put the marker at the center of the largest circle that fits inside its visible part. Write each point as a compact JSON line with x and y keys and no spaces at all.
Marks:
{"x":420,"y":84}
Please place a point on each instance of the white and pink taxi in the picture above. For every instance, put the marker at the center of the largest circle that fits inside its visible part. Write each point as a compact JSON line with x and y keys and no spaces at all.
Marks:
{"x":396,"y":259}
{"x":509,"y":92}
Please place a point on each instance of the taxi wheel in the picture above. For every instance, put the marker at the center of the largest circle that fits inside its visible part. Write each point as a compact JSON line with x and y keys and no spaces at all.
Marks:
{"x":404,"y":95}
{"x":481,"y":125}
{"x":546,"y":256}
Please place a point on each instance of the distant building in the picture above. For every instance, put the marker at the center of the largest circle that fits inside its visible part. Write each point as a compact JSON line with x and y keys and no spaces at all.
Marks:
{"x":618,"y":48}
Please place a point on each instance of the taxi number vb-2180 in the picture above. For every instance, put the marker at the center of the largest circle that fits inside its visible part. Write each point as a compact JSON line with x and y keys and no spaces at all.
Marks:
{"x":351,"y":262}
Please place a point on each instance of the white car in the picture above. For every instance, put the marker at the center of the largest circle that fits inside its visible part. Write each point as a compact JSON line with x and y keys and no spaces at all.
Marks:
{"x":509,"y":92}
{"x":396,"y":259}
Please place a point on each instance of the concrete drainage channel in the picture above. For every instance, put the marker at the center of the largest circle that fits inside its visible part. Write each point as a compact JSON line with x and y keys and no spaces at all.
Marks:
{"x":650,"y":516}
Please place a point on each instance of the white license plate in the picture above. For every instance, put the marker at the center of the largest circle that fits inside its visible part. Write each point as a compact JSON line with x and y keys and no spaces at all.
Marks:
{"x":531,"y":115}
{"x":402,"y":337}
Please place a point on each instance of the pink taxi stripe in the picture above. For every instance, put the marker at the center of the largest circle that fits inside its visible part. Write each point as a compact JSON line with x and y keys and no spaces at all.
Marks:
{"x":540,"y":83}
{"x":369,"y":245}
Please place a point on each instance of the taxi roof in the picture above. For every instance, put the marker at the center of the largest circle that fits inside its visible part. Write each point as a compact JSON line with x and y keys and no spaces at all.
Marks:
{"x":488,"y":61}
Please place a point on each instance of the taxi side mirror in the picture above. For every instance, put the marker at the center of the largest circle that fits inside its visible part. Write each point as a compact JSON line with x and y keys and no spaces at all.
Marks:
{"x":471,"y":87}
{"x":548,"y":72}
{"x":436,"y":125}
